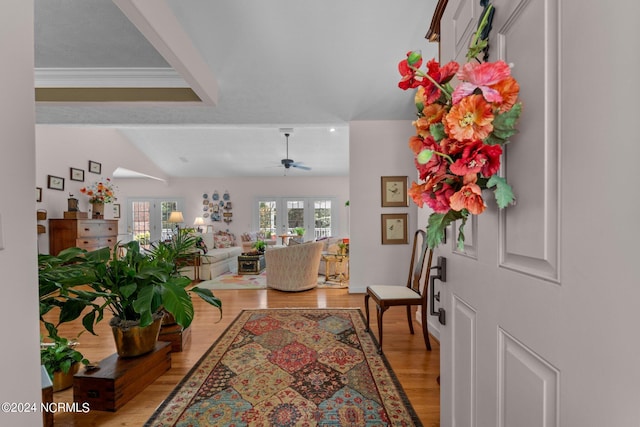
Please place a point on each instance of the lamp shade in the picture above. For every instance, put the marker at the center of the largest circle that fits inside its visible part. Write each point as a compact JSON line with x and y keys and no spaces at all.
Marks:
{"x":176,"y":217}
{"x":198,"y":221}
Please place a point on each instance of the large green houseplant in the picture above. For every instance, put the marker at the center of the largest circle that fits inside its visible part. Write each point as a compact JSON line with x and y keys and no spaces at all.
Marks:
{"x":135,"y":287}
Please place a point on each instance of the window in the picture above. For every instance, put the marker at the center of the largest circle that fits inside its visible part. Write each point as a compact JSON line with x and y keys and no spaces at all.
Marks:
{"x":315,"y":215}
{"x":148,"y":219}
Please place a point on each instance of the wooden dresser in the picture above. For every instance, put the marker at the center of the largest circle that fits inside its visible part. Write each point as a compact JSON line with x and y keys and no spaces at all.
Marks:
{"x":89,"y":234}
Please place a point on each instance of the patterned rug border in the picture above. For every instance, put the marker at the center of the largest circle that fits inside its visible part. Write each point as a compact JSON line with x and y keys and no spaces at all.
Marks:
{"x":396,"y":383}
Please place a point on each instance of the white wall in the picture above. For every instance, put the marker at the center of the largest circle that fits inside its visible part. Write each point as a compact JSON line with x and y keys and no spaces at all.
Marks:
{"x":377,"y":148}
{"x":20,"y":367}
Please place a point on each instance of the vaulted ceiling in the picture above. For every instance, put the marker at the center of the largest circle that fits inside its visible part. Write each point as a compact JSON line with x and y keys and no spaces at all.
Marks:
{"x":204,"y":88}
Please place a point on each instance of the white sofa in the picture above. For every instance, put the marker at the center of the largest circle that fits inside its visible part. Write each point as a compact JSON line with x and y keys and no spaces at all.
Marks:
{"x":221,"y":257}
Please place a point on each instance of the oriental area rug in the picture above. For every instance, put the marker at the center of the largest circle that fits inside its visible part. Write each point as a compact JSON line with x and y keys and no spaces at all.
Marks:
{"x":290,"y":367}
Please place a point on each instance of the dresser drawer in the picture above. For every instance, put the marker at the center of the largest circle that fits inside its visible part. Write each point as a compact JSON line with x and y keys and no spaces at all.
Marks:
{"x":96,"y":229}
{"x":91,"y":244}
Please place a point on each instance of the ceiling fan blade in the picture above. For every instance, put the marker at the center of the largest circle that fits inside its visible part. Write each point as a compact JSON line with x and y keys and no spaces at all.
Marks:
{"x":300,"y":166}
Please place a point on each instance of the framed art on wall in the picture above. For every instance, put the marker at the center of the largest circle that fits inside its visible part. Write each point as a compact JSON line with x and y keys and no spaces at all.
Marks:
{"x":116,"y":210}
{"x":394,"y":229}
{"x":394,"y":191}
{"x":55,"y":182}
{"x":76,"y":174}
{"x":38,"y":194}
{"x":95,"y":167}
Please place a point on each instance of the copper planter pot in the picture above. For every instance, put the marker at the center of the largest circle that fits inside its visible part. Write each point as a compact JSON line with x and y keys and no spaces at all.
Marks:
{"x":135,"y":341}
{"x":62,"y":381}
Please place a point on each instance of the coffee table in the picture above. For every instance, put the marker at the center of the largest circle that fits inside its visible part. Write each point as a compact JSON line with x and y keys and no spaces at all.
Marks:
{"x":250,"y":264}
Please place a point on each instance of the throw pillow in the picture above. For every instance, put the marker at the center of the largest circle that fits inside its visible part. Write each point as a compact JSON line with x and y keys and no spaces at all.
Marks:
{"x":222,"y":241}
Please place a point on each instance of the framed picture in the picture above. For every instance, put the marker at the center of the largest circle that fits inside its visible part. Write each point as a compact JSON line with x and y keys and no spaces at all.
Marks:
{"x":394,"y":192}
{"x":38,"y":194}
{"x":116,"y":210}
{"x":55,"y":182}
{"x":95,"y":167}
{"x":394,"y":229}
{"x":76,"y":174}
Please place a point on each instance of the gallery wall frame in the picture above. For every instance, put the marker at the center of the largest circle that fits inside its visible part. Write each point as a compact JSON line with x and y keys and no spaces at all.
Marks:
{"x":76,"y":174}
{"x":116,"y":210}
{"x":55,"y":182}
{"x":38,"y":194}
{"x":95,"y":167}
{"x":393,"y":191}
{"x":394,"y":228}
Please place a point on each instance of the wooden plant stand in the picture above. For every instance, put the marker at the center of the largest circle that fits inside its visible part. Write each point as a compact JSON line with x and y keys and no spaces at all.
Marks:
{"x":118,"y":380}
{"x":175,"y":334}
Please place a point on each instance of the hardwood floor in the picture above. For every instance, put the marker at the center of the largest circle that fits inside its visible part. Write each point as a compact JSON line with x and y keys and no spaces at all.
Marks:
{"x":415,"y":367}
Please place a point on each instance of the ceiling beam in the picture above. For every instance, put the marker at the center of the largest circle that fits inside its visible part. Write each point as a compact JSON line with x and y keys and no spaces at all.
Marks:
{"x":156,"y":21}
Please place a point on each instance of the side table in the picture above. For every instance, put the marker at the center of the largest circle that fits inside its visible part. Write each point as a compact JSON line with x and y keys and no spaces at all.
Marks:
{"x":332,"y":261}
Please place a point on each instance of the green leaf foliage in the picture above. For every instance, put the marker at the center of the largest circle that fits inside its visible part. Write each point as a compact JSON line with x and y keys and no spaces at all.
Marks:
{"x":503,"y":192}
{"x":59,"y":356}
{"x":437,"y":224}
{"x":177,"y":302}
{"x":461,"y":234}
{"x":504,"y":126}
{"x":208,"y":296}
{"x":133,"y":287}
{"x":437,"y":131}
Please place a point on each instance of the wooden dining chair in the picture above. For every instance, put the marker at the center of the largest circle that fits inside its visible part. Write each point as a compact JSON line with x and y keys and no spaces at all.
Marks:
{"x":414,"y":294}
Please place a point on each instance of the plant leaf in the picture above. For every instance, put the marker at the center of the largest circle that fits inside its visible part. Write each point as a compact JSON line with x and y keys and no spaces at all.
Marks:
{"x":208,"y":296}
{"x":503,"y":192}
{"x":142,"y":305}
{"x":504,"y":126}
{"x":461,"y":234}
{"x":177,"y":302}
{"x":437,"y":131}
{"x":88,"y":321}
{"x":437,"y":224}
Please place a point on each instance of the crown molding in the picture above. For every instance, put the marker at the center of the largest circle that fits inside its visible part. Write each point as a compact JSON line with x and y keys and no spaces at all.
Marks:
{"x":108,"y":78}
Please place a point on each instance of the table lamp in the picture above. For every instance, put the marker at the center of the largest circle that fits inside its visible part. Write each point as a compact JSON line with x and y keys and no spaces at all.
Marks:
{"x":198,"y":222}
{"x":176,"y":218}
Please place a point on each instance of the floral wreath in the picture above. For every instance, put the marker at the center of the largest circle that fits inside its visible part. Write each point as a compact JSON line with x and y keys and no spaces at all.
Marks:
{"x":460,"y":133}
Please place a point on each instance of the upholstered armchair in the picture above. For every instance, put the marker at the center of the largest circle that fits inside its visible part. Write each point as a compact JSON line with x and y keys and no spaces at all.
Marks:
{"x":293,"y":268}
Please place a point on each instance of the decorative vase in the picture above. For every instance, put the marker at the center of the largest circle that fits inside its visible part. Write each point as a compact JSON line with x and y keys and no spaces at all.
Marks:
{"x":97,"y":210}
{"x":62,"y":381}
{"x":133,"y":340}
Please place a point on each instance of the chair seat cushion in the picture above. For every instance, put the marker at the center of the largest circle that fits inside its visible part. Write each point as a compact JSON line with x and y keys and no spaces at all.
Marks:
{"x":390,"y":292}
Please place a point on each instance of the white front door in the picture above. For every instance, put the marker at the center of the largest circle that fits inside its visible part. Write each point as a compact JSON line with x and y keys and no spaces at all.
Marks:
{"x":542,"y":308}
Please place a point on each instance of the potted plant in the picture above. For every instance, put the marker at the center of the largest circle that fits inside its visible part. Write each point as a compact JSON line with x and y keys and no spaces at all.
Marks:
{"x":299,"y":231}
{"x":135,"y":287}
{"x":61,"y":360}
{"x":259,"y":245}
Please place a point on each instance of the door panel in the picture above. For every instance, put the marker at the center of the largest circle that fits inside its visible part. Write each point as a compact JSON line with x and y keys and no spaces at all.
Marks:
{"x":464,"y":349}
{"x":509,"y":268}
{"x":553,"y":286}
{"x":528,"y":386}
{"x":527,"y":38}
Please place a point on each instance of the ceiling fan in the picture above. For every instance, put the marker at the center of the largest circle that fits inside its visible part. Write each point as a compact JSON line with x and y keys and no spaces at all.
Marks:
{"x":288,"y":163}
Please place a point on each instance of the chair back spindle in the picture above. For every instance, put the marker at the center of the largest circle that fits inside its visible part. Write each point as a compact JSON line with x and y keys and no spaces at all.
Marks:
{"x":417,"y":270}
